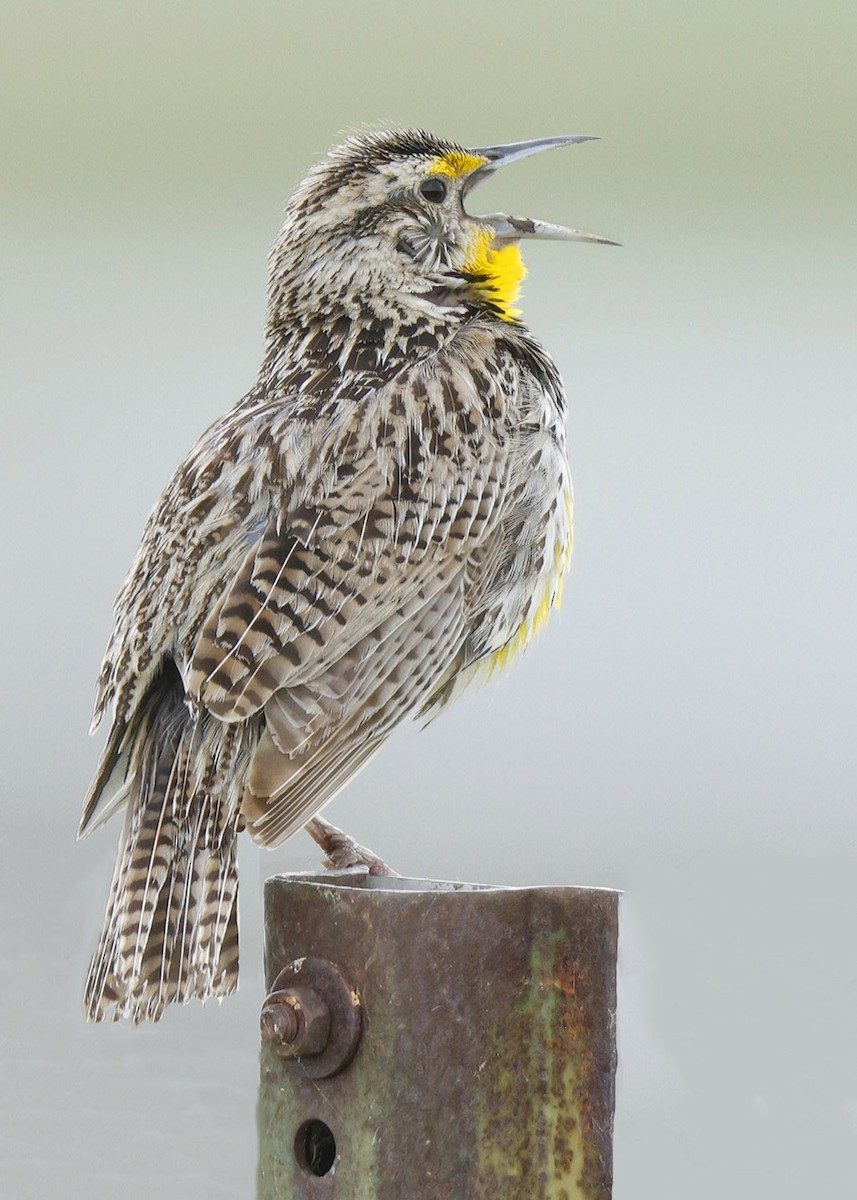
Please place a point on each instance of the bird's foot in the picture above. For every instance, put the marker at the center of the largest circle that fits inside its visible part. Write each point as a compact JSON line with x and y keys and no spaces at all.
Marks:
{"x":341,"y":851}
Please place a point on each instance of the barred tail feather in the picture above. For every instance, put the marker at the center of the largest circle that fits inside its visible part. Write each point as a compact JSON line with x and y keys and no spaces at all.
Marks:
{"x":171,"y":928}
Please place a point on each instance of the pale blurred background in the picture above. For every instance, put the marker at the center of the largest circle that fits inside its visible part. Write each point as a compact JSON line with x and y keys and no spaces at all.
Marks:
{"x":684,"y":731}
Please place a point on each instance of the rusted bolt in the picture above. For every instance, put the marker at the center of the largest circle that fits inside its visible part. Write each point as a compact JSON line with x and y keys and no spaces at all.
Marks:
{"x":295,"y":1022}
{"x":278,"y":1024}
{"x":312,"y":1013}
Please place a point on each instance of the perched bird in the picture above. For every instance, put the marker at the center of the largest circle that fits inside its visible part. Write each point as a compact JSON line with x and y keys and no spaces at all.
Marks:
{"x":384,"y":514}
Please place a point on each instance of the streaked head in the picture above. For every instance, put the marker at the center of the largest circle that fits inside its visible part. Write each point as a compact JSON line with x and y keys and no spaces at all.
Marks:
{"x":384,"y":218}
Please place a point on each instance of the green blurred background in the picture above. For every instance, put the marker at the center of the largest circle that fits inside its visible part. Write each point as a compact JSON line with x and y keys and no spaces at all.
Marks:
{"x":684,"y":731}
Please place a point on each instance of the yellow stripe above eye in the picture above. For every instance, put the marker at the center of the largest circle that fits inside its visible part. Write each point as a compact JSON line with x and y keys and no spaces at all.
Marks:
{"x":456,"y":165}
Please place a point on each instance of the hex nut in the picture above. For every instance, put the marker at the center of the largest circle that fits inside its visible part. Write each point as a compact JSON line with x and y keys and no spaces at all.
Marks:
{"x":295,"y":1022}
{"x":341,"y":1031}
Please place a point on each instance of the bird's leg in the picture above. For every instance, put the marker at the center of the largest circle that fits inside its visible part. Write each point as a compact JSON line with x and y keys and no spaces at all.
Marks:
{"x":342,"y":851}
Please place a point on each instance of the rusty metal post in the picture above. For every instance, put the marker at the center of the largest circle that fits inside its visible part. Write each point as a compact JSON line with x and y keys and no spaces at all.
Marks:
{"x":436,"y":1041}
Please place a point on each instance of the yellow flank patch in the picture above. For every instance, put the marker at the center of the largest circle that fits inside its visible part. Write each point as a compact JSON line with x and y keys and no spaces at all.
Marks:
{"x":528,"y":629}
{"x":502,"y":269}
{"x":456,"y":165}
{"x":551,"y":598}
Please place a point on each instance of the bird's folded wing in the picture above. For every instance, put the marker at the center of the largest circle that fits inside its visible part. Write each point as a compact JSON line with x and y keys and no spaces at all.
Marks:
{"x":336,"y":636}
{"x":318,"y":735}
{"x":294,"y":609}
{"x":350,"y":611}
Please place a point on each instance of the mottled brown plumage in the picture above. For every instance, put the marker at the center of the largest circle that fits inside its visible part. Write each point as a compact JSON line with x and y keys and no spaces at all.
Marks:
{"x":387,"y":510}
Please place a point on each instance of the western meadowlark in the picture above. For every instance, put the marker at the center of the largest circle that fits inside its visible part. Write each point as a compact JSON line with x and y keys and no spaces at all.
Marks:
{"x":386,"y":512}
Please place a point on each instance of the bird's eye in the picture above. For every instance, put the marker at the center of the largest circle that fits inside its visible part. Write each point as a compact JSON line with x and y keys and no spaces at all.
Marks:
{"x":433,"y":190}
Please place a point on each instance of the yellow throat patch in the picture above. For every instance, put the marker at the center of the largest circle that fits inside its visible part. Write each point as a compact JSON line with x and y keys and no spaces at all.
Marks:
{"x":499,"y":272}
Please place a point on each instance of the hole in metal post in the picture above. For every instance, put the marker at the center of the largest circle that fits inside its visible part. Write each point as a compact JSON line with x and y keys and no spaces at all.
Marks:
{"x":315,"y":1147}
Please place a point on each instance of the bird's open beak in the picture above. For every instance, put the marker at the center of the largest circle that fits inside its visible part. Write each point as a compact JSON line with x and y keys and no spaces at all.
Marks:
{"x":512,"y":229}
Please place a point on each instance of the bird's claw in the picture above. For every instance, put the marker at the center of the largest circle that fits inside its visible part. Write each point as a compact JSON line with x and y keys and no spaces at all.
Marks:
{"x":342,"y":851}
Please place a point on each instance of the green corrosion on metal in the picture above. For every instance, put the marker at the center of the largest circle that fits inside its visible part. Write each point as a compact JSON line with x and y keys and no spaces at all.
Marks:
{"x":532,"y":1092}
